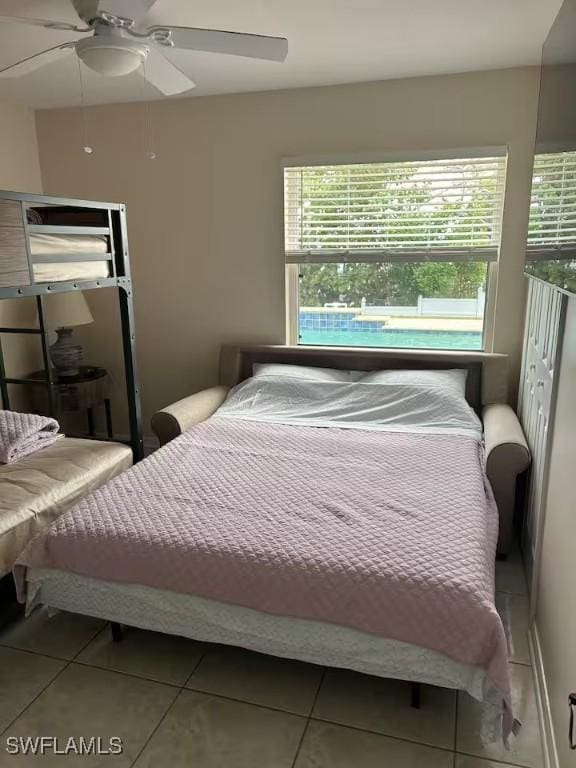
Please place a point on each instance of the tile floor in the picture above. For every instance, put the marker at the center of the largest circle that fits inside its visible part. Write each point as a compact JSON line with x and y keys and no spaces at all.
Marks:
{"x":177,"y":703}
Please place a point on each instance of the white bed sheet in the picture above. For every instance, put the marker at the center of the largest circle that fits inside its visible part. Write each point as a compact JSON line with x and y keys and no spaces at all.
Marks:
{"x":55,"y":245}
{"x":212,"y":621}
{"x":71,"y":270}
{"x":357,"y":405}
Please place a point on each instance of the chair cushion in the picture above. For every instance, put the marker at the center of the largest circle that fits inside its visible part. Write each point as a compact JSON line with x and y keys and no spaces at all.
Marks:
{"x":37,"y":489}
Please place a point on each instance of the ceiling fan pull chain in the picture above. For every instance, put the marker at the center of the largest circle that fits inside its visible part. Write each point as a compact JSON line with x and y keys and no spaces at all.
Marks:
{"x":148,"y":133}
{"x":87,"y":147}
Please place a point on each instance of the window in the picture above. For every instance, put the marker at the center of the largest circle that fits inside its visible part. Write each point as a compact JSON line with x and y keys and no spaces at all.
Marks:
{"x":393,"y":254}
{"x":551,"y":250}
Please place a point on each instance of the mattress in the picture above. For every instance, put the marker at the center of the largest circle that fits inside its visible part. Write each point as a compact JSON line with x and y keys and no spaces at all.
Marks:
{"x":48,"y":246}
{"x":37,"y":489}
{"x":212,"y":621}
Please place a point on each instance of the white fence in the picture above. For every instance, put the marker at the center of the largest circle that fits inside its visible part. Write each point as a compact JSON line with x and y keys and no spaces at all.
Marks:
{"x":432,"y":308}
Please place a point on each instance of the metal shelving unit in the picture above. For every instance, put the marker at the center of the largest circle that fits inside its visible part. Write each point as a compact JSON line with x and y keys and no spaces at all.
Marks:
{"x":17,"y":281}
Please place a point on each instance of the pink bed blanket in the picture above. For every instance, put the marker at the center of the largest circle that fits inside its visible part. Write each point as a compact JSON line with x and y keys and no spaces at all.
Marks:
{"x":392,"y":534}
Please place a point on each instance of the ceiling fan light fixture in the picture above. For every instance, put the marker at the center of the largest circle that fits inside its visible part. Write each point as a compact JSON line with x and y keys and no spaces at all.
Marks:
{"x":117,"y":47}
{"x":112,"y":58}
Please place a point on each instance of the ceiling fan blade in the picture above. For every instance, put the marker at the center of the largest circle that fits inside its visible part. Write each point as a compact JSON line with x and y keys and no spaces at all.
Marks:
{"x":38,"y":60}
{"x":216,"y":41}
{"x":86,"y":9}
{"x":127,"y":9}
{"x":164,"y":75}
{"x":60,"y":25}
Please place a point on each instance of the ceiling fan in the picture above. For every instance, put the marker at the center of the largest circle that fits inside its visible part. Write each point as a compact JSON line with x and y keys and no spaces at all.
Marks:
{"x":114,"y":46}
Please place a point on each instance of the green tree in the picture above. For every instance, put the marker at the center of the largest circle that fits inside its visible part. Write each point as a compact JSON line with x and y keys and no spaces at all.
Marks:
{"x":552,"y":217}
{"x":400,"y":207}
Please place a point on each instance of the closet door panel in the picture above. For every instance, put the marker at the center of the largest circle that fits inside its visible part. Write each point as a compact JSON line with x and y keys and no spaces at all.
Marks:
{"x":544,"y":324}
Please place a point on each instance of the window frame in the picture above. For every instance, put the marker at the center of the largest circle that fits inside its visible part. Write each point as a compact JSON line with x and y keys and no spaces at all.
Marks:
{"x":292,"y":270}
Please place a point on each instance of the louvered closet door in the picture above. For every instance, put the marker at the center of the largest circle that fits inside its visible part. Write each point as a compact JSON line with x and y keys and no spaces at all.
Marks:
{"x":544,"y":324}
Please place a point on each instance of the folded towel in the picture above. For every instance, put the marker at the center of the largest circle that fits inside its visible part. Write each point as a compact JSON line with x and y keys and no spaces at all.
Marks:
{"x":25,"y":433}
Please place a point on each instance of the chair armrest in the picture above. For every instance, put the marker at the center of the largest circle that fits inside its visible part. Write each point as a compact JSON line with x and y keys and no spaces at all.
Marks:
{"x":178,"y":417}
{"x":507,"y":455}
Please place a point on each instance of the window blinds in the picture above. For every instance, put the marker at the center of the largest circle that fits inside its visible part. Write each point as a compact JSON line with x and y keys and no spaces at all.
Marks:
{"x":552,"y":225}
{"x":439,"y":210}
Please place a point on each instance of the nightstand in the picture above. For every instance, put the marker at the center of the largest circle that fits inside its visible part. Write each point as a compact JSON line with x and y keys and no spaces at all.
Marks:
{"x":84,"y":392}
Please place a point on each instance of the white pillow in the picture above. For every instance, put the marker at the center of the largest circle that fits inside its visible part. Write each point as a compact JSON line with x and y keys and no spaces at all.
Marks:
{"x":306,"y":372}
{"x":391,"y":407}
{"x":453,"y":380}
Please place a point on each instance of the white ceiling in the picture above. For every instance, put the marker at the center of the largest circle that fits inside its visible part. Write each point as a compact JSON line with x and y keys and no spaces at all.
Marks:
{"x":331,"y":41}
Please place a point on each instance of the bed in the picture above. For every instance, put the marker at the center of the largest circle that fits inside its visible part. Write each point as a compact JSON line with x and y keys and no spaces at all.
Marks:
{"x":337,"y":528}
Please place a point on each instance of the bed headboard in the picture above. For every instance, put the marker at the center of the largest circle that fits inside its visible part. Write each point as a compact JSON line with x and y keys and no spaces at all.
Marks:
{"x":487,"y":372}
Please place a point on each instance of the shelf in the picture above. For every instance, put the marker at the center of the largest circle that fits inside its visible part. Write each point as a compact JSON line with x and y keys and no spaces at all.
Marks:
{"x":53,"y":229}
{"x":29,"y":382}
{"x":62,"y":258}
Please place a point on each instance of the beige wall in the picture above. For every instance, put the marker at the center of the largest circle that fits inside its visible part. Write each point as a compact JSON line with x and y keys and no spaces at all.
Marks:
{"x":20,"y":172}
{"x":19,"y":164}
{"x":205,"y":217}
{"x":556,"y":599}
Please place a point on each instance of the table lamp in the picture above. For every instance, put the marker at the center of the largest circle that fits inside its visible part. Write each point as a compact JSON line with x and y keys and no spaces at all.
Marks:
{"x":62,"y":312}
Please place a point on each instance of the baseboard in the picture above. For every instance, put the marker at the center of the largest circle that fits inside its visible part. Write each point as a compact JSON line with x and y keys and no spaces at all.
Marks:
{"x":543,"y":701}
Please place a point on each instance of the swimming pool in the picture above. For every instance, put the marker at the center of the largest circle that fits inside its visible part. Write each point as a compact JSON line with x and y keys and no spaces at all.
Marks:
{"x":392,"y":338}
{"x":346,"y":329}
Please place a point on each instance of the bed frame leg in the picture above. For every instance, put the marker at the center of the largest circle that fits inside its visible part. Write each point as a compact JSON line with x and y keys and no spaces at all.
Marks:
{"x":415,"y":695}
{"x":117,"y":634}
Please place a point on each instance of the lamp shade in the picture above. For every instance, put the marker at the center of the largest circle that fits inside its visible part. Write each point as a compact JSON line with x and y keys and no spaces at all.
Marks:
{"x":66,"y":310}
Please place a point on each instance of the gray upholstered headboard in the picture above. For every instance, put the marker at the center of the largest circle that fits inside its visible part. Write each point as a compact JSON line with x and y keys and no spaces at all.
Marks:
{"x":487,"y":372}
